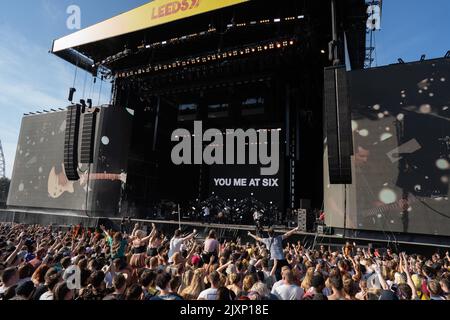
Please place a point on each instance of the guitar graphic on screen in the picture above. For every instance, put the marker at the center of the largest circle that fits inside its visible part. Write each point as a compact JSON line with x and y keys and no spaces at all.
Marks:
{"x":58,"y":184}
{"x":382,"y":210}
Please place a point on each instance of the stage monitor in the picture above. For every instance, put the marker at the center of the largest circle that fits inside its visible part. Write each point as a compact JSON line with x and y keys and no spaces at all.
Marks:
{"x":401,"y":167}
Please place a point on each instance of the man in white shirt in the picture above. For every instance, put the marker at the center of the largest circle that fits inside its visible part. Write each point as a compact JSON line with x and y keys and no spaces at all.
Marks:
{"x":281,"y":282}
{"x":211,"y":293}
{"x":288,"y":290}
{"x":177,"y":241}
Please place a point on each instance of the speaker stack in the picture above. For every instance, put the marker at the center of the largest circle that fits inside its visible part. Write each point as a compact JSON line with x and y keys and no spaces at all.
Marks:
{"x":88,"y":137}
{"x":302,"y":218}
{"x":338,"y":125}
{"x":71,"y":142}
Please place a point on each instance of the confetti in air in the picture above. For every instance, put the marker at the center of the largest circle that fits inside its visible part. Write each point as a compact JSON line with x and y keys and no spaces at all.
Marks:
{"x":364,"y":133}
{"x":105,"y":140}
{"x":387,"y":196}
{"x":385,"y":136}
{"x":442,"y":164}
{"x":425,"y":109}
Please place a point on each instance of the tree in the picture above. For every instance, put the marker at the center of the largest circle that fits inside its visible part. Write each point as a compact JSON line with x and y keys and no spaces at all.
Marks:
{"x":4,"y":189}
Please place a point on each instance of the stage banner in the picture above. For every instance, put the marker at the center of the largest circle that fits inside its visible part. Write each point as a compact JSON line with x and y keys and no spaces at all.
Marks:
{"x":152,"y":14}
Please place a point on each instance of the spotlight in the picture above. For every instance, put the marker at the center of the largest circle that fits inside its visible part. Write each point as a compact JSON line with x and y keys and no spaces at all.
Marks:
{"x":322,"y":51}
{"x":400,"y":60}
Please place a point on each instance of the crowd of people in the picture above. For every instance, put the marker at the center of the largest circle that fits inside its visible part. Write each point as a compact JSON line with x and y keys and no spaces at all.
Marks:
{"x":42,"y":263}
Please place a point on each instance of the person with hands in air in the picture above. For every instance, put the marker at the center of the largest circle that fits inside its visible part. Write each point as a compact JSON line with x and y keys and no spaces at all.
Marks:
{"x":177,"y":241}
{"x":275,"y":246}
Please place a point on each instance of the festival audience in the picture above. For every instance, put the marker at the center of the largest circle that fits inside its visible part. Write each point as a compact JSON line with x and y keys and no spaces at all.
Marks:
{"x":40,"y":263}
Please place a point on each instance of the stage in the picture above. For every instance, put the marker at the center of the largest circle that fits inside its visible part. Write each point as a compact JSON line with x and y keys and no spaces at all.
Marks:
{"x":284,"y":126}
{"x":419,"y":243}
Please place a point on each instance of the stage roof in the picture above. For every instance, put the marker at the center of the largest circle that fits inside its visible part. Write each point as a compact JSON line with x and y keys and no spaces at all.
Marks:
{"x":162,"y":19}
{"x":152,"y":14}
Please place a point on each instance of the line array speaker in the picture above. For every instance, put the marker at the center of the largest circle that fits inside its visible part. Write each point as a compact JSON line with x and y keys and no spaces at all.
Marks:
{"x":71,"y":143}
{"x":88,"y":138}
{"x":338,"y":125}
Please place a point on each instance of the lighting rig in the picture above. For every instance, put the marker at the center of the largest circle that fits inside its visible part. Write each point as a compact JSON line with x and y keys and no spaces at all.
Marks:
{"x":218,"y":56}
{"x":195,"y":36}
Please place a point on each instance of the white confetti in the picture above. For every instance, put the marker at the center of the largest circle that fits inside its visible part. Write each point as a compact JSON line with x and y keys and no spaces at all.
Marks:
{"x":387,"y":196}
{"x":105,"y":140}
{"x":425,"y":109}
{"x":385,"y":136}
{"x":364,"y":133}
{"x":442,"y":164}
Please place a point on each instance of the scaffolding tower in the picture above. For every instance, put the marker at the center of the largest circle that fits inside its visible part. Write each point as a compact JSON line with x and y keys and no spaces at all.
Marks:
{"x":371,"y":52}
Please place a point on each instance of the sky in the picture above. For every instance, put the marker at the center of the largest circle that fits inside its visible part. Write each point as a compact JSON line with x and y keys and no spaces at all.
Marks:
{"x":31,"y":79}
